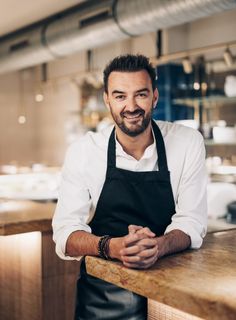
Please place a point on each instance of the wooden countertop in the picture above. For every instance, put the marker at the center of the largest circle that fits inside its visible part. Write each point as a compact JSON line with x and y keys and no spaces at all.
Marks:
{"x":18,"y":216}
{"x":25,"y":216}
{"x":201,"y":282}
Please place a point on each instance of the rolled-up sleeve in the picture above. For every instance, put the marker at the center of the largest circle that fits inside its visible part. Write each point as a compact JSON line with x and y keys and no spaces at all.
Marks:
{"x":191,"y":205}
{"x":74,"y":201}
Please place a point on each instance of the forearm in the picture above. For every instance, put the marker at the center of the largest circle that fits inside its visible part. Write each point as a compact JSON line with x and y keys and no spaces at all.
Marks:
{"x":81,"y":243}
{"x":174,"y":241}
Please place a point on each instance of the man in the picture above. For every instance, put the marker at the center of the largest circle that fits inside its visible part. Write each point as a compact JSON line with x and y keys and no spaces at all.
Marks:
{"x":147,"y":183}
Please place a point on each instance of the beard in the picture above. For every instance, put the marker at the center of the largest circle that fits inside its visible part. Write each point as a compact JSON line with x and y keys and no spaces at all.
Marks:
{"x":136,"y":128}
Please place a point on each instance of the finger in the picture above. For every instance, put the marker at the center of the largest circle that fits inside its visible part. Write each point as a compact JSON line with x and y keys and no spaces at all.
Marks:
{"x":149,"y":262}
{"x":143,"y":258}
{"x":141,"y":264}
{"x":146,"y":243}
{"x":131,"y":239}
{"x":148,"y":253}
{"x":130,"y":259}
{"x":139,"y":246}
{"x":133,"y":228}
{"x":130,"y":250}
{"x":147,"y":231}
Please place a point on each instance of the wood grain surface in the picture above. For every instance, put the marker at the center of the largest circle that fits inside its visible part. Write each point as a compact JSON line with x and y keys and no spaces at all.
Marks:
{"x":20,"y":277}
{"x":25,"y":216}
{"x":200,"y":282}
{"x":34,"y":283}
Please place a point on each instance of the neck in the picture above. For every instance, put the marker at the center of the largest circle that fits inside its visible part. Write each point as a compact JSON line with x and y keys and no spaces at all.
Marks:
{"x":135,"y":146}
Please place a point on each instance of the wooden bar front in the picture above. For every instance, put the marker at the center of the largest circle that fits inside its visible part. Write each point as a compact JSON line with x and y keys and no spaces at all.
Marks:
{"x":34,"y":283}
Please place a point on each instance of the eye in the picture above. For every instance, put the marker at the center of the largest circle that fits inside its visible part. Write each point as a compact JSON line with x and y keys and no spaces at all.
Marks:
{"x":120,"y":97}
{"x":142,"y":95}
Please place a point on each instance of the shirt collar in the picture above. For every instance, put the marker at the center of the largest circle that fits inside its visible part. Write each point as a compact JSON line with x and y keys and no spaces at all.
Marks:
{"x":148,"y":153}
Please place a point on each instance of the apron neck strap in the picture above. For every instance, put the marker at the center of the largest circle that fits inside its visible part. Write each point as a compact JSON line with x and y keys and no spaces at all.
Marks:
{"x":160,"y":146}
{"x":161,"y":152}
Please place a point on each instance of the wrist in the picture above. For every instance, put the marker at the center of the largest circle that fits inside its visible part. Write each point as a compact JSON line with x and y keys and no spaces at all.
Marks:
{"x":114,"y":248}
{"x":103,"y":247}
{"x":162,"y":246}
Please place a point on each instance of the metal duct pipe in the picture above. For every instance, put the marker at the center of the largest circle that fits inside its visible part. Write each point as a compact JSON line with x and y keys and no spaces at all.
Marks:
{"x":138,"y":16}
{"x":99,"y":24}
{"x":71,"y":40}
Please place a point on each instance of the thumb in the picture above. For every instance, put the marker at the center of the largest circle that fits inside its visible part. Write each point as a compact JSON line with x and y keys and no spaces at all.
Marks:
{"x":133,"y":228}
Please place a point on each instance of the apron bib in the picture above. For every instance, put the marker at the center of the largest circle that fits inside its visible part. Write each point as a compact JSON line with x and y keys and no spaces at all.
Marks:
{"x":142,"y":198}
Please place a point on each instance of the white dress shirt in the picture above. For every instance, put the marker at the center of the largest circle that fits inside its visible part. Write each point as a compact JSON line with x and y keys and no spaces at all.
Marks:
{"x":83,"y":176}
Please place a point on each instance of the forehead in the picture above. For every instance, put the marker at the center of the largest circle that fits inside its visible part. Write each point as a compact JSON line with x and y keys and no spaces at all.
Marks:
{"x":126,"y":81}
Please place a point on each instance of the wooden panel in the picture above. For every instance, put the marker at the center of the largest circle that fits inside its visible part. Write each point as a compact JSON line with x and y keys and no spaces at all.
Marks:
{"x":59,"y":297}
{"x":59,"y":282}
{"x":34,"y":283}
{"x":52,"y":264}
{"x":20,"y":277}
{"x":160,"y":311}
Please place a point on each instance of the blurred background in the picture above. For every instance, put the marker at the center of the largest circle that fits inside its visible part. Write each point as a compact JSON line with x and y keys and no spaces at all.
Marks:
{"x":52,"y":54}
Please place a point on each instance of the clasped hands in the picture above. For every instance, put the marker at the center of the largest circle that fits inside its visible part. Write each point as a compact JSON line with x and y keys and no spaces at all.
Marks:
{"x":138,"y":249}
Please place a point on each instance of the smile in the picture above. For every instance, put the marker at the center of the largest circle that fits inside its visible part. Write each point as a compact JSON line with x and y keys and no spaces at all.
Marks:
{"x":132,"y":116}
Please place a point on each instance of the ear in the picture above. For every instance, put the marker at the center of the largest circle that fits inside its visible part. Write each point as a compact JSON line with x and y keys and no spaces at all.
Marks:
{"x":106,"y":100}
{"x":155,"y":97}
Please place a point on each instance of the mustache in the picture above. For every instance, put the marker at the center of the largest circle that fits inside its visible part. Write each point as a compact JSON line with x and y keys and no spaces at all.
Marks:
{"x":134,"y":113}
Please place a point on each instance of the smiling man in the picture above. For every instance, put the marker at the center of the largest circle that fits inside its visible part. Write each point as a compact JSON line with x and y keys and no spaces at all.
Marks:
{"x":135,"y":91}
{"x":146,"y":182}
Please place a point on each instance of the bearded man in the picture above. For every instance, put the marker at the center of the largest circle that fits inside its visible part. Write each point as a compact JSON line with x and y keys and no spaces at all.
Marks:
{"x":146,"y":181}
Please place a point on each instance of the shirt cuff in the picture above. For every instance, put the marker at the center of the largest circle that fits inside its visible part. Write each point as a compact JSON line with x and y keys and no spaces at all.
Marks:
{"x":195,"y":236}
{"x":61,"y":243}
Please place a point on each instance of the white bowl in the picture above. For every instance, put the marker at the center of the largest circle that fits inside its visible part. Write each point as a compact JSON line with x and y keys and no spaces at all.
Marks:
{"x":224,"y":134}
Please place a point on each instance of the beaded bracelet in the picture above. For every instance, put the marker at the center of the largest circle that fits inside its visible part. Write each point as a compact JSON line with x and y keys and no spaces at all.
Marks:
{"x":103,"y":247}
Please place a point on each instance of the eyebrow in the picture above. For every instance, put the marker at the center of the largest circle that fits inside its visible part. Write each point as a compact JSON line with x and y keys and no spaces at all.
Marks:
{"x":144,"y":89}
{"x":117,"y":91}
{"x":122,"y":92}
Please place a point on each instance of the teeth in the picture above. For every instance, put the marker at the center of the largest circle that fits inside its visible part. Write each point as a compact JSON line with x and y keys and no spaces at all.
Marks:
{"x":133,"y":117}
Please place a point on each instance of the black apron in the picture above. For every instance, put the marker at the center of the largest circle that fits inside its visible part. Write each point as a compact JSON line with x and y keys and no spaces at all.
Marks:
{"x":141,"y":198}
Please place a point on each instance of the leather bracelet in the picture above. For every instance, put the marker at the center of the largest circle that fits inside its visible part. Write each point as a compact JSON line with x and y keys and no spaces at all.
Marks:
{"x":103,"y":247}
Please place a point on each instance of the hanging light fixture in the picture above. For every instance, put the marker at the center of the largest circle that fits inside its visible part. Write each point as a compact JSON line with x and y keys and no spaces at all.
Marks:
{"x":39,"y":96}
{"x":228,"y":57}
{"x":196,"y":83}
{"x":187,"y":65}
{"x":21,"y":118}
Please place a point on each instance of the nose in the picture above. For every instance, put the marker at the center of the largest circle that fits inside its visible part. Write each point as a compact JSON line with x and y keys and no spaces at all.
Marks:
{"x":131,"y":104}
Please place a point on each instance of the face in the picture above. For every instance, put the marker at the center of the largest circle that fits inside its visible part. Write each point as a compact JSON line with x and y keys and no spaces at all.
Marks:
{"x":130,"y":99}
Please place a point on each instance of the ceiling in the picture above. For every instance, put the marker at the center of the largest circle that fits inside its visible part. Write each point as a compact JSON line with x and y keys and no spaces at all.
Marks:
{"x":15,"y":14}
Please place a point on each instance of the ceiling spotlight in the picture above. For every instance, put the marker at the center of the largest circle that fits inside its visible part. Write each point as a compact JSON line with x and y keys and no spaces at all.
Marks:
{"x":229,"y":60}
{"x":39,"y":97}
{"x":187,"y":65}
{"x":21,"y":119}
{"x":196,"y":85}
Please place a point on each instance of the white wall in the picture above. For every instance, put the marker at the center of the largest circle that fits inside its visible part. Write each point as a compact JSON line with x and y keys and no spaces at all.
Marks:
{"x":216,"y":29}
{"x":17,"y":142}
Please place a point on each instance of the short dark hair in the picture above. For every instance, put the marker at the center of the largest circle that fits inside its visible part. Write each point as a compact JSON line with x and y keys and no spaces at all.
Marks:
{"x":129,"y":63}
